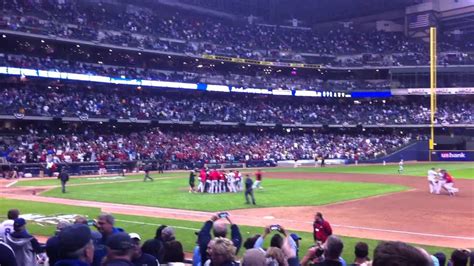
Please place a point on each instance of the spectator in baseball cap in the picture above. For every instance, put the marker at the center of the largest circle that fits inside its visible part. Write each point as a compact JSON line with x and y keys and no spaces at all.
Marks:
{"x":52,"y":245}
{"x":75,"y":246}
{"x":23,"y":244}
{"x":140,"y":258}
{"x":120,"y":248}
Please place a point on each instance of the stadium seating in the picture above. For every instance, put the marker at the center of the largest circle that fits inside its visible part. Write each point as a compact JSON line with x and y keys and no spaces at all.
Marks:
{"x":167,"y":29}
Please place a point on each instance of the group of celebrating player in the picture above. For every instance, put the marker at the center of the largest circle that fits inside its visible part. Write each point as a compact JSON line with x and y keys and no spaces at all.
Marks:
{"x":221,"y":181}
{"x":441,"y":179}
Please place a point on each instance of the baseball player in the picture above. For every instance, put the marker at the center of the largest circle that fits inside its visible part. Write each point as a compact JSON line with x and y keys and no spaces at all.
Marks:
{"x":238,"y":180}
{"x":400,"y":166}
{"x":433,"y":180}
{"x":258,"y":180}
{"x":102,"y":168}
{"x":448,"y":183}
{"x":221,"y":182}
{"x":214,"y":175}
{"x":202,"y":181}
{"x":231,"y":182}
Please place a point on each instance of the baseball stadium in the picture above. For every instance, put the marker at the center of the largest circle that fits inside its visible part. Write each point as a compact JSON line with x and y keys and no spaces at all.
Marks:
{"x":225,"y":132}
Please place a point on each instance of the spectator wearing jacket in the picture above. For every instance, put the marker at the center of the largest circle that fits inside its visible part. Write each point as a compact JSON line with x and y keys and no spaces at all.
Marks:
{"x":138,"y":257}
{"x":52,"y":245}
{"x":154,"y":246}
{"x":23,"y":244}
{"x":105,"y":225}
{"x":7,"y":256}
{"x":321,"y":228}
{"x":219,"y":230}
{"x":120,"y":250}
{"x":75,"y":246}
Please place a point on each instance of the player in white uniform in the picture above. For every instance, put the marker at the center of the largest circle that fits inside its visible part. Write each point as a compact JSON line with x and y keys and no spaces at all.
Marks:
{"x":231,"y":182}
{"x":400,"y":166}
{"x":6,"y":227}
{"x":433,"y":181}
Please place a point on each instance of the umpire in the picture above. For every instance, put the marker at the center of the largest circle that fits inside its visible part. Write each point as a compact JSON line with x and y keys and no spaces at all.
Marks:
{"x":64,"y":177}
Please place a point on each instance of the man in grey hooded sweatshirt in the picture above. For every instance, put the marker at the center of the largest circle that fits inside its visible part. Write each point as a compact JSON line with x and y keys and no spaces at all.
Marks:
{"x":24,"y":245}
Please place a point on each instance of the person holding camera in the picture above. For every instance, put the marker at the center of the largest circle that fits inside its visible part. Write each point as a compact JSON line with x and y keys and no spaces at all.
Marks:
{"x":327,"y":254}
{"x":321,"y":228}
{"x":219,"y":230}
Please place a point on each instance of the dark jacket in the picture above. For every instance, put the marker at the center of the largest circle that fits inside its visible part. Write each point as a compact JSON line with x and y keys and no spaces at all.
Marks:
{"x":118,"y":262}
{"x":25,"y":247}
{"x":64,"y":177}
{"x":153,"y":247}
{"x":100,"y":251}
{"x":204,"y":237}
{"x":329,"y":263}
{"x":7,"y":256}
{"x":52,"y":249}
{"x":145,"y":259}
{"x":248,"y":184}
{"x":70,"y":262}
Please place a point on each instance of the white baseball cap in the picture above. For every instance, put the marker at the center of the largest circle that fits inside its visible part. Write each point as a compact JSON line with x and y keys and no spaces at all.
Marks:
{"x":134,"y":236}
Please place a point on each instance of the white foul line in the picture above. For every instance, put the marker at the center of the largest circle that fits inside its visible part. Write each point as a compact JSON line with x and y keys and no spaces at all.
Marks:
{"x":11,"y":184}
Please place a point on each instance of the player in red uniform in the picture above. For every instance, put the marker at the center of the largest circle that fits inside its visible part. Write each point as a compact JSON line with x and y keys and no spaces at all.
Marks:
{"x":258,"y":179}
{"x":214,"y":176}
{"x":448,"y":183}
{"x":202,"y":180}
{"x":221,"y":184}
{"x":102,"y":169}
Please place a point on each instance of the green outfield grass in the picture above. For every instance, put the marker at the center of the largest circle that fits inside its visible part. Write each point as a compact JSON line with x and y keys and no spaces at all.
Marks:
{"x":458,"y":170}
{"x":146,"y":226}
{"x":172,"y":193}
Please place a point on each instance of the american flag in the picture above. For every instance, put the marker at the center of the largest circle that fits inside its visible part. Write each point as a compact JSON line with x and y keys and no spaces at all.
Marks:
{"x":419,"y":21}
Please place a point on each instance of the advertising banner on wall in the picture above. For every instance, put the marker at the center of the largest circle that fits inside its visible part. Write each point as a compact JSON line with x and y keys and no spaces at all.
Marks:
{"x":452,"y":155}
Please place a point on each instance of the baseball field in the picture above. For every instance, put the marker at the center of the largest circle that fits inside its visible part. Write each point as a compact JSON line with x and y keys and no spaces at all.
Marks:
{"x":363,"y":203}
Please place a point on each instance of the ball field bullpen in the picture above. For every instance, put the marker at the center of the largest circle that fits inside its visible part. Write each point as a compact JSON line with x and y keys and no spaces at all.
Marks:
{"x":372,"y":202}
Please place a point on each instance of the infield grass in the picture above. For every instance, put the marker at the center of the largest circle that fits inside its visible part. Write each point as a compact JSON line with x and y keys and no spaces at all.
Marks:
{"x":173,"y":193}
{"x":146,"y":226}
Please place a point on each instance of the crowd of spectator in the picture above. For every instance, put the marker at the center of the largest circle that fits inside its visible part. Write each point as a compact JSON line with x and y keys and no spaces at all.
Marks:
{"x":120,"y":103}
{"x":102,"y":243}
{"x":261,"y":80}
{"x":167,"y":29}
{"x":87,"y":145}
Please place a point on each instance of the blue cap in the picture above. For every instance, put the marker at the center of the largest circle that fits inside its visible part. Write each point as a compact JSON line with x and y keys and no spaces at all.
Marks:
{"x":119,"y":241}
{"x":18,"y":222}
{"x":73,"y":238}
{"x":295,"y":236}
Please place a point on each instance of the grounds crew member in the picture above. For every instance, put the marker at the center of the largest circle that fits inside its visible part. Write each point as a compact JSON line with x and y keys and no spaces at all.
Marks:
{"x":64,"y":177}
{"x":147,"y":172}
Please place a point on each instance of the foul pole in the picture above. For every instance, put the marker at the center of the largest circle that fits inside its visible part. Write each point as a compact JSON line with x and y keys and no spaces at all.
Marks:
{"x":433,"y":72}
